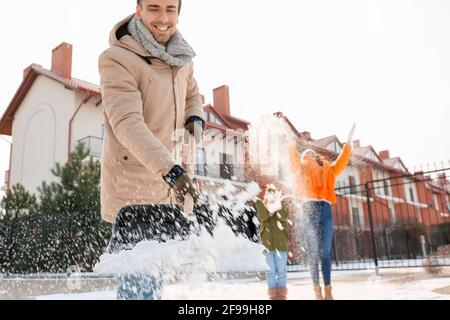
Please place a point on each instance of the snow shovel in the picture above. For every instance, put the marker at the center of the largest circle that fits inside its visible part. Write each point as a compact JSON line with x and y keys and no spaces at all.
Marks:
{"x":163,"y":223}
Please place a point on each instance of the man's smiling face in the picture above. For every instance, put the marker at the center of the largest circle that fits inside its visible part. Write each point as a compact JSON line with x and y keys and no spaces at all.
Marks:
{"x":160,"y":17}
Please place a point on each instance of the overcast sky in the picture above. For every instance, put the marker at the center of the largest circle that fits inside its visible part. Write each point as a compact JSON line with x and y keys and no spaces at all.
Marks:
{"x":325,"y":63}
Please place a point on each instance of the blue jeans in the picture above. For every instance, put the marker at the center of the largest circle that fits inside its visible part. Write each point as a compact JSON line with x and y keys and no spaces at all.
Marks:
{"x":138,"y":223}
{"x":318,"y":234}
{"x":136,"y":286}
{"x":139,"y":287}
{"x":277,"y":277}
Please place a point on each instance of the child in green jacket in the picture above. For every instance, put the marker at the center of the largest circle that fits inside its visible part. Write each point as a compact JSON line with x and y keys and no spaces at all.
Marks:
{"x":274,"y":234}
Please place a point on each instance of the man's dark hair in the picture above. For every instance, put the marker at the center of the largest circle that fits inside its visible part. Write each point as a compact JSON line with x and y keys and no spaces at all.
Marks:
{"x":179,"y":5}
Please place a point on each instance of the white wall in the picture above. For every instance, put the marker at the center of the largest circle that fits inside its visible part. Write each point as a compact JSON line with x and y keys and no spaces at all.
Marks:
{"x":40,"y":134}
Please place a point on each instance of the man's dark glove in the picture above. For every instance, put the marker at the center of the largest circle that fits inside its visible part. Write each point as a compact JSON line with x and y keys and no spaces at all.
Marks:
{"x":182,"y":184}
{"x":195,"y":126}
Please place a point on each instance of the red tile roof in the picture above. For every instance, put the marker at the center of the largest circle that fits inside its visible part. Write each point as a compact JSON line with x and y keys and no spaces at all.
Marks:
{"x":362,"y":151}
{"x":393,"y":162}
{"x":229,"y":122}
{"x":73,"y":83}
{"x":237,"y":123}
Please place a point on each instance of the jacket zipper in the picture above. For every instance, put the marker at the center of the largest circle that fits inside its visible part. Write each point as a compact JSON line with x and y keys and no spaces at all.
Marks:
{"x":176,"y":113}
{"x":175,"y":101}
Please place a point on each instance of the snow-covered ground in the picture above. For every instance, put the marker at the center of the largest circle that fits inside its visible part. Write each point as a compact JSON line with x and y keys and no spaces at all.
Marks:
{"x":391,"y":284}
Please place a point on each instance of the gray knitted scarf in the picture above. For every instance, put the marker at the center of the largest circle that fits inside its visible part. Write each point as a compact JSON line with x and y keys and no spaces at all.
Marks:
{"x":177,"y":52}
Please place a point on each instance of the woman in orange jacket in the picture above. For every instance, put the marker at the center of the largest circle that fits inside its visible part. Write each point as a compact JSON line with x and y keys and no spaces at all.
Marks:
{"x":316,"y":178}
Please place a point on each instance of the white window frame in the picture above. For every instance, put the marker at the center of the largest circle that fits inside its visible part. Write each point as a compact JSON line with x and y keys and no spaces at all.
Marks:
{"x":392,"y":213}
{"x":436,"y":201}
{"x":361,"y":217}
{"x":201,"y":153}
{"x":410,"y":186}
{"x":380,"y":185}
{"x":335,"y":147}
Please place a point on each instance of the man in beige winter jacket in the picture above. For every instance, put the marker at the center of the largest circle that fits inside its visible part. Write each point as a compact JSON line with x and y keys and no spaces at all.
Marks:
{"x":149,"y":95}
{"x":145,"y":101}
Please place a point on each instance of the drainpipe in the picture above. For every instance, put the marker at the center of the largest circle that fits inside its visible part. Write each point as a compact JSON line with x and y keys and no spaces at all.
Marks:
{"x":9,"y":170}
{"x":85,"y":100}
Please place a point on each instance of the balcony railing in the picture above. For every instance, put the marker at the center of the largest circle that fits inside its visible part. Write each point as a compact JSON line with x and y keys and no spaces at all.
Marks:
{"x":226,"y":172}
{"x":93,"y":145}
{"x":201,"y":170}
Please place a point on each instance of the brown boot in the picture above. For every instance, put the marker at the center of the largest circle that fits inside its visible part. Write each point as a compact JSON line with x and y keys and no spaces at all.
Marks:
{"x":328,"y":293}
{"x":282,"y":293}
{"x":273,"y":293}
{"x":318,"y":293}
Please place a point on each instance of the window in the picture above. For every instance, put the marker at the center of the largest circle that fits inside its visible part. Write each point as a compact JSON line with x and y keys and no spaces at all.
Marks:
{"x":436,"y":201}
{"x":201,"y":162}
{"x":392,"y":215}
{"x":386,"y":187}
{"x":335,"y":147}
{"x":102,"y":131}
{"x":447,"y":196}
{"x":411,"y":195}
{"x":372,"y":156}
{"x":410,"y":190}
{"x":226,"y":166}
{"x":356,"y":218}
{"x":352,"y":183}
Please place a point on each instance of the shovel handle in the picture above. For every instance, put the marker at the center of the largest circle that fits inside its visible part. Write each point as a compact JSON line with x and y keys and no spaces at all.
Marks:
{"x":188,"y":200}
{"x":188,"y":205}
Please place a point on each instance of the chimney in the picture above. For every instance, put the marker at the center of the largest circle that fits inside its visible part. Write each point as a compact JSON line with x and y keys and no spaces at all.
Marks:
{"x":356,"y":144}
{"x":442,"y":179}
{"x":62,"y":60}
{"x":222,"y":100}
{"x":306,"y":135}
{"x":384,"y":155}
{"x":419,"y":175}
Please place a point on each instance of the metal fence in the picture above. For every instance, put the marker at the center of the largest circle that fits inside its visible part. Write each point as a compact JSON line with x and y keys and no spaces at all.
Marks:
{"x":396,"y":221}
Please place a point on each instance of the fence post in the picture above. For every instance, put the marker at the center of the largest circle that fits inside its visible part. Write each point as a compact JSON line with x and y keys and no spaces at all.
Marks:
{"x":372,"y":231}
{"x":408,"y":253}
{"x":386,"y":243}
